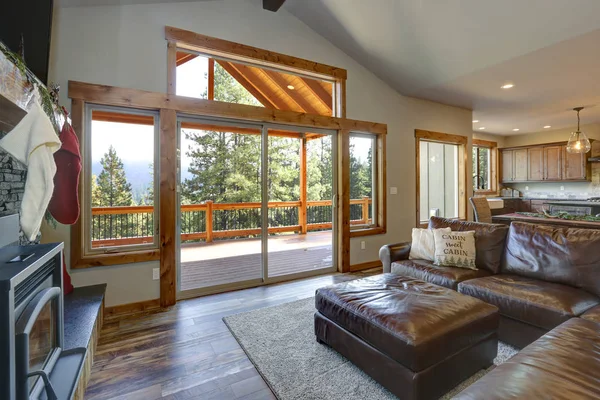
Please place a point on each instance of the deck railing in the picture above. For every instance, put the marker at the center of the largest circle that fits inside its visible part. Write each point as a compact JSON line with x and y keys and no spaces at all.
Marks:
{"x":209,"y":221}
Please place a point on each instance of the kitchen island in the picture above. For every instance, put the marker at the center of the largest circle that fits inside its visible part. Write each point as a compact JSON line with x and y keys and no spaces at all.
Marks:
{"x":508,"y":218}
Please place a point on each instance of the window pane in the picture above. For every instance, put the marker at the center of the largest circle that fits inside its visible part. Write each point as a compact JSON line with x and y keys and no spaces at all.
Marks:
{"x":481,"y":168}
{"x":239,"y":83}
{"x":438,"y":180}
{"x":121,"y":178}
{"x":362,"y":173}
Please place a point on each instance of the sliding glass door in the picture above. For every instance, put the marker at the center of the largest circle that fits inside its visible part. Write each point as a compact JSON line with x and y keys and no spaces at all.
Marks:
{"x":237,"y":229}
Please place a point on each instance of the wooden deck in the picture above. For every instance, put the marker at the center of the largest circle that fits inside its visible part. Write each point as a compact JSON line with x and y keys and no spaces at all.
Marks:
{"x":211,"y":264}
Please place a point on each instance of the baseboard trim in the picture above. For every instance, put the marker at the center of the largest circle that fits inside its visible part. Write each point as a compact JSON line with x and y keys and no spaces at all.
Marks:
{"x":131,"y":308}
{"x":365,"y":265}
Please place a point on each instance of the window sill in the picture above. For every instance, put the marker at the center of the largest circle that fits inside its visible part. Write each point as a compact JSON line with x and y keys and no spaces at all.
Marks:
{"x":367,"y":232}
{"x":485,"y":192}
{"x":103,"y":260}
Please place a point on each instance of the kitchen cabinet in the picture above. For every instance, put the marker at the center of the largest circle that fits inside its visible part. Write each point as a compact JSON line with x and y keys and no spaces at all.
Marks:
{"x":574,"y":166}
{"x":546,"y":162}
{"x":535,"y":164}
{"x":553,"y":165}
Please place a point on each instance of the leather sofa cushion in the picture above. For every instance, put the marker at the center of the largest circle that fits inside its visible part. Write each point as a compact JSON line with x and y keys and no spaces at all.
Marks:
{"x":592,"y":314}
{"x":554,"y":254}
{"x":562,"y":364}
{"x":426,"y":271}
{"x":489,"y":240}
{"x":415,"y":323}
{"x":543,"y":304}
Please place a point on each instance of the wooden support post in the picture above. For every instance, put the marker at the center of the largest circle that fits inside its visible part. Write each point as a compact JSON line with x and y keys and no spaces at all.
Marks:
{"x":171,"y":67}
{"x":302,"y":216}
{"x":365,"y":210}
{"x":211,"y":78}
{"x":209,"y":221}
{"x":168,"y":201}
{"x":343,"y":201}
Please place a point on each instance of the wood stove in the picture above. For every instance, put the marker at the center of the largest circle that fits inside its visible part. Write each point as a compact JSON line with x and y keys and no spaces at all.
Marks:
{"x":32,"y":361}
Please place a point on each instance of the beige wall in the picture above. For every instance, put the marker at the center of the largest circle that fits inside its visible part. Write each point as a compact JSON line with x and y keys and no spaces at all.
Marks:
{"x":581,"y":189}
{"x":491,"y":137}
{"x":125,"y":46}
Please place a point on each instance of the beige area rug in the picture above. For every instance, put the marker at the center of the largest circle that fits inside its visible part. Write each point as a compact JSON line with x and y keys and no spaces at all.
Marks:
{"x":280,"y":342}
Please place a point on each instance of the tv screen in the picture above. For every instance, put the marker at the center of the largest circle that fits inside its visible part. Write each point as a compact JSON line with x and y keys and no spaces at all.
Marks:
{"x":33,"y":20}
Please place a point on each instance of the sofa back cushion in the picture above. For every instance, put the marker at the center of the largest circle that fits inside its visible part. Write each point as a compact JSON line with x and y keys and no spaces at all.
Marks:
{"x":570,"y":256}
{"x":489,"y":240}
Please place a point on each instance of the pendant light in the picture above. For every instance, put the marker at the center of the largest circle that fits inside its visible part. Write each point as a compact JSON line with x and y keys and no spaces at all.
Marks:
{"x":578,"y":142}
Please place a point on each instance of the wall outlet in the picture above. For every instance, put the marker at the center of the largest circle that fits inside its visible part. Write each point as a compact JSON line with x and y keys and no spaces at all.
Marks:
{"x":562,"y":188}
{"x":393,"y":190}
{"x":155,"y":274}
{"x":363,"y":245}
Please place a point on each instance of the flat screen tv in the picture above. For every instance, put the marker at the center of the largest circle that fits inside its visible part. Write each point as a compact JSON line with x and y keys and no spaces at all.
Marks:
{"x":33,"y":20}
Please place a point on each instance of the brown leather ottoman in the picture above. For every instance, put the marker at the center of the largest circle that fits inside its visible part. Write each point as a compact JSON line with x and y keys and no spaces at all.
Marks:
{"x":417,"y":339}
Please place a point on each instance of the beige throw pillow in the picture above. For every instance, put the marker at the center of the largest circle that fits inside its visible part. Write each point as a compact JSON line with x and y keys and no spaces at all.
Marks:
{"x":423,"y":244}
{"x":455,"y":249}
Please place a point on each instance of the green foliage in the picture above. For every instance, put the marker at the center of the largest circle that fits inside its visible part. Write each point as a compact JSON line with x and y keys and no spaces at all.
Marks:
{"x":112,"y":188}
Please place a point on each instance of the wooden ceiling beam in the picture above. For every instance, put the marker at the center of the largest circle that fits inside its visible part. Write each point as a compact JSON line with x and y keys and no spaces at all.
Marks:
{"x":272,"y":5}
{"x":281,"y":82}
{"x":319,"y":92}
{"x":245,"y":82}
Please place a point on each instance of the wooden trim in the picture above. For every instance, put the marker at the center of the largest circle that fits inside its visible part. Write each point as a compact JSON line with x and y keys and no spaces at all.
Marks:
{"x":441,"y":137}
{"x":131,"y":308}
{"x":484,"y":143}
{"x":282,"y":84}
{"x":302,"y":212}
{"x":343,"y":199}
{"x":171,"y":67}
{"x":367,"y":232}
{"x":463,"y":184}
{"x":235,"y":70}
{"x":340,"y":92}
{"x":381,"y":184}
{"x":211,"y":78}
{"x":168,"y":208}
{"x":365,"y":265}
{"x":134,"y":98}
{"x":78,"y":123}
{"x":196,"y":41}
{"x":320,"y":92}
{"x":108,"y":259}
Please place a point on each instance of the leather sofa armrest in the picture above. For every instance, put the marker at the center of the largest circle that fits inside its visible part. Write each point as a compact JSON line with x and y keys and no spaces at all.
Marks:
{"x":393,"y":252}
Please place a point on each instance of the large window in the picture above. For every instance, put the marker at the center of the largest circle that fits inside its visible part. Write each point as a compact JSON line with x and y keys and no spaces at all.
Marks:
{"x":484,"y":158}
{"x":214,"y":69}
{"x":440,"y":176}
{"x":120,"y":165}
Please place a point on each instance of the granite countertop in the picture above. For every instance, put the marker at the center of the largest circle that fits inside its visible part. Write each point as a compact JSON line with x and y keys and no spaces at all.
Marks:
{"x":81,"y":311}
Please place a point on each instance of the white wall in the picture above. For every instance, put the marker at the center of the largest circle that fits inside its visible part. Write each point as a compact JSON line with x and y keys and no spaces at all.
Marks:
{"x":501,"y":140}
{"x":124,"y":46}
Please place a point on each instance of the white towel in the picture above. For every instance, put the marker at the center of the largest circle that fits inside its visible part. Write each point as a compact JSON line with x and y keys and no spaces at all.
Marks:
{"x":33,"y":142}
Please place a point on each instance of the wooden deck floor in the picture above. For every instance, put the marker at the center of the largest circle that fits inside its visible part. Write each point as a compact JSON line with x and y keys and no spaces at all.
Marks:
{"x":211,"y":264}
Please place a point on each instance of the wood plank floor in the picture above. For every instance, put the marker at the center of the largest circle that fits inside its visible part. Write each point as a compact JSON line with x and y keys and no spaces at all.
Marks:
{"x":186,"y":351}
{"x":211,"y":264}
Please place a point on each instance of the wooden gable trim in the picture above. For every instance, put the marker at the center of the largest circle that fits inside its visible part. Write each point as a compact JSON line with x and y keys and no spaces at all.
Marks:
{"x":226,"y":48}
{"x":115,"y":96}
{"x":484,"y":143}
{"x":440,"y":137}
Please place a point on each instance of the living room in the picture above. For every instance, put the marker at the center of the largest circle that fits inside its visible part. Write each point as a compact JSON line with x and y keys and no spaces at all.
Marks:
{"x":229,"y":180}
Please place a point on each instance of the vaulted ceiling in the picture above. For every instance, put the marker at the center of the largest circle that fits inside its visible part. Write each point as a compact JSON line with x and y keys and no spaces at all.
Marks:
{"x":460,"y":52}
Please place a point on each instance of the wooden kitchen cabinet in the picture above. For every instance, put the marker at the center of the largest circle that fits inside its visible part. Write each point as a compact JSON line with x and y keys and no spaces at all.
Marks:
{"x":520,"y":169}
{"x":547,"y":162}
{"x":553,"y":164}
{"x":535,"y":164}
{"x":574,"y":166}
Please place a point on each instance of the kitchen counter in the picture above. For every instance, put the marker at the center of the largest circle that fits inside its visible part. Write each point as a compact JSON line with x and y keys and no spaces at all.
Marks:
{"x":508,"y":218}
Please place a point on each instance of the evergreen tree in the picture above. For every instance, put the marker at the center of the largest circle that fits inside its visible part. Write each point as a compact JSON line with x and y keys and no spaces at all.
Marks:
{"x":148,"y":196}
{"x":112,"y":188}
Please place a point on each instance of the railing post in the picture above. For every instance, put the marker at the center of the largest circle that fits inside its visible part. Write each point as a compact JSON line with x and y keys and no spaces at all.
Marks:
{"x":365,"y":210}
{"x":302,"y":214}
{"x":209,"y":221}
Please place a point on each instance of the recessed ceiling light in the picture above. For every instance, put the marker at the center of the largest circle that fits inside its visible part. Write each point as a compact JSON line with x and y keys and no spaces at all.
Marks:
{"x":475,"y":121}
{"x":507,"y":86}
{"x":482,"y":128}
{"x":547,"y":126}
{"x":516,"y":130}
{"x":291,"y":87}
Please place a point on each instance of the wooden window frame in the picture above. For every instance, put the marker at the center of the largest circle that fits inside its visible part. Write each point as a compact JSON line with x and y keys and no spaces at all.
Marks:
{"x":380,"y":190}
{"x":444,"y":138}
{"x":195,"y":42}
{"x":494,"y":166}
{"x":169,"y":106}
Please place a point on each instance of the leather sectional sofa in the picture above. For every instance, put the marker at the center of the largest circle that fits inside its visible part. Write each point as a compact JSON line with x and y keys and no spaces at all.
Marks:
{"x":545,"y":282}
{"x":538,"y":276}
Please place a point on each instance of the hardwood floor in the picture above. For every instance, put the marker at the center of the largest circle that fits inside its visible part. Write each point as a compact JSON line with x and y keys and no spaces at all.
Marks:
{"x":186,"y":351}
